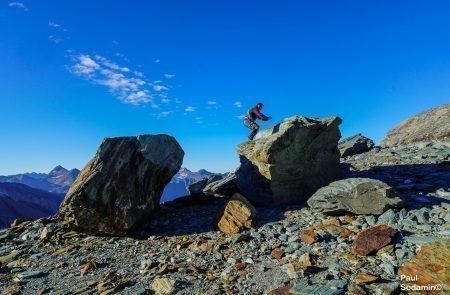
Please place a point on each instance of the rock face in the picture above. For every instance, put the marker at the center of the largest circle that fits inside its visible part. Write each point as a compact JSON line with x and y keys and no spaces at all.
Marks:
{"x":287,"y":163}
{"x":196,"y":189}
{"x":373,"y":239}
{"x":223,"y":187}
{"x":431,"y":125}
{"x":355,"y":195}
{"x":354,"y":145}
{"x":237,"y":214}
{"x":121,"y":185}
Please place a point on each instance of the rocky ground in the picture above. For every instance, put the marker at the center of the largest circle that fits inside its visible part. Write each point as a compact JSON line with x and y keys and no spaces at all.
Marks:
{"x":290,"y":248}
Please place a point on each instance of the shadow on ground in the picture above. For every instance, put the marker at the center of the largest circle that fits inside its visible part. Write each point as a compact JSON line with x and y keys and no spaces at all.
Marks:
{"x":415,"y":184}
{"x":188,"y":216}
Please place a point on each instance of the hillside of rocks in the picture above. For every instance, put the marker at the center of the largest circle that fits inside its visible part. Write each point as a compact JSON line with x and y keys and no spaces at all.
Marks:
{"x":298,"y":216}
{"x":430,"y":125}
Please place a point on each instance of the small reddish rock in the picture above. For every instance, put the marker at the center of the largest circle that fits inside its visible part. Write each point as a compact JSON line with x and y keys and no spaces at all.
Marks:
{"x":309,"y":236}
{"x":349,"y":218}
{"x":364,"y":278}
{"x":277,"y":253}
{"x":333,"y":221}
{"x":286,"y":290}
{"x":240,"y":265}
{"x":372,"y":239}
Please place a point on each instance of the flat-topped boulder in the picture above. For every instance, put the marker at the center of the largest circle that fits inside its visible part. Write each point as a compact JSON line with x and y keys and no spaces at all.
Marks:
{"x":121,"y":186}
{"x":356,"y":196}
{"x":287,"y":163}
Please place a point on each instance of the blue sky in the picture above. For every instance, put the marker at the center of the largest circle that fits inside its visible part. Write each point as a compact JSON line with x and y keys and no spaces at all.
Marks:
{"x":74,"y":72}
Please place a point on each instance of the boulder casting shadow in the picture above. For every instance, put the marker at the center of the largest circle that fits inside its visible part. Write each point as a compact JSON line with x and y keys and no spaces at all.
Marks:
{"x":122,"y":185}
{"x":287,"y":163}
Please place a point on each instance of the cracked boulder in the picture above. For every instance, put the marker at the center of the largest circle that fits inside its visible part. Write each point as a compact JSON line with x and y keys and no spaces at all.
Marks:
{"x":121,"y":186}
{"x":237,"y":214}
{"x":287,"y":163}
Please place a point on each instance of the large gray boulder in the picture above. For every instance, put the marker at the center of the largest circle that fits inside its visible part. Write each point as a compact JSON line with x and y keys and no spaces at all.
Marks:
{"x":355,"y":195}
{"x":354,"y":145}
{"x":432,"y":125}
{"x":225,"y":187}
{"x":121,"y":186}
{"x":196,"y":189}
{"x":287,"y":163}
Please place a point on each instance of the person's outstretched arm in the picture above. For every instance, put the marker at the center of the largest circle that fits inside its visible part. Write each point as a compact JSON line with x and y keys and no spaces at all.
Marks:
{"x":260,"y":115}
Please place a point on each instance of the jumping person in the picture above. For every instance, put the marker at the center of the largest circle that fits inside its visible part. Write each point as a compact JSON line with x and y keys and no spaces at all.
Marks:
{"x":254,"y":114}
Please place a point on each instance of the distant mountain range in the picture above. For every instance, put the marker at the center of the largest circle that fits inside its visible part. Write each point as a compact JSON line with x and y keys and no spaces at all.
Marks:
{"x":58,"y":180}
{"x":35,"y":195}
{"x":177,"y":187}
{"x":21,"y":201}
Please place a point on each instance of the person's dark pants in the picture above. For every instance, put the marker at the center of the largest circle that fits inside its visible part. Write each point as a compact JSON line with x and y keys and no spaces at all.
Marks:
{"x":253,"y":126}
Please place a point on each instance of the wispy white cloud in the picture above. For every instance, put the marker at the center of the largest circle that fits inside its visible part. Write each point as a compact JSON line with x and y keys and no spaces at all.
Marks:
{"x":240,"y":117}
{"x":169,"y":76}
{"x":119,"y":80}
{"x":165,"y":114}
{"x":159,"y":88}
{"x":57,"y":27}
{"x":237,"y":104}
{"x":198,"y":120}
{"x":109,"y":64}
{"x":18,"y":5}
{"x":211,"y":102}
{"x":165,"y":100}
{"x":55,"y":39}
{"x":84,"y":66}
{"x":139,"y":74}
{"x":157,"y":61}
{"x":189,"y":109}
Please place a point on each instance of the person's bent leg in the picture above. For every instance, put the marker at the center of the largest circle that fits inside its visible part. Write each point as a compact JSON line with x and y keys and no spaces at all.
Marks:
{"x":254,"y":132}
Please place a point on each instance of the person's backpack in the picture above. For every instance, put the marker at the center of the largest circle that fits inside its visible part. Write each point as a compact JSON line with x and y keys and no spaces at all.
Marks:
{"x":251,"y":114}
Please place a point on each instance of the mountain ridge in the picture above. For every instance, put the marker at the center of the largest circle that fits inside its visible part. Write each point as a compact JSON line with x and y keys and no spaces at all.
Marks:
{"x":58,"y":180}
{"x":22,"y":201}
